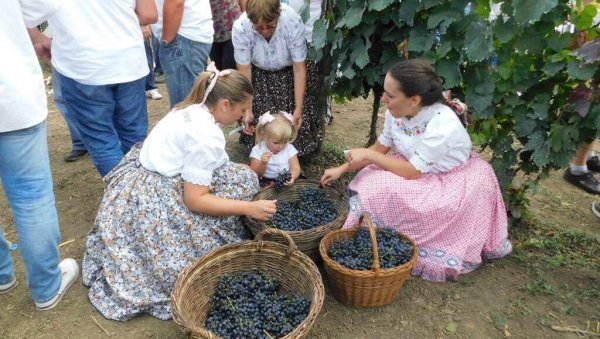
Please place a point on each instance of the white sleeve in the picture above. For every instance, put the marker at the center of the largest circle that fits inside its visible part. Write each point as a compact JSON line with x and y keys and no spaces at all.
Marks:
{"x":296,"y":42}
{"x":202,"y":158}
{"x":256,"y":153}
{"x":242,"y":42}
{"x":386,"y":138}
{"x":291,"y":151}
{"x":36,"y":11}
{"x":437,"y":141}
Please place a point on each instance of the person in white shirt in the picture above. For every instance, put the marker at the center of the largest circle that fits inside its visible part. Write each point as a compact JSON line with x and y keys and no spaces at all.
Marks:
{"x":433,"y":188}
{"x":24,"y":164}
{"x":98,"y":54}
{"x":185,"y":32}
{"x":274,"y":153}
{"x":170,"y":201}
{"x":269,"y":44}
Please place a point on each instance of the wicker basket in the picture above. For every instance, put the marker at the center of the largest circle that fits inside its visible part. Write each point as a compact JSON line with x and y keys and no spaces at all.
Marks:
{"x":306,"y":240}
{"x":357,"y":288}
{"x":195,"y":286}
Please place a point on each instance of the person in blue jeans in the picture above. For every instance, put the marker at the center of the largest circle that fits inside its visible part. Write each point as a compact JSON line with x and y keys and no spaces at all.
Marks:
{"x":100,"y":61}
{"x":25,"y":174}
{"x":151,"y":89}
{"x":186,"y":36}
{"x":78,"y":150}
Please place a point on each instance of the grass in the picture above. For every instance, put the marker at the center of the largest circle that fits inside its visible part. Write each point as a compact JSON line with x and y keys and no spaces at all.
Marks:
{"x":555,"y":247}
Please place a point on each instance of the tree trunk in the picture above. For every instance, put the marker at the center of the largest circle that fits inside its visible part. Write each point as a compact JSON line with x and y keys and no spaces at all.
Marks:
{"x":377,"y":92}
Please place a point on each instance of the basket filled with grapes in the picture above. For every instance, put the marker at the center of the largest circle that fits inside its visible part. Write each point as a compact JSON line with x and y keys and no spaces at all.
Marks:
{"x":306,"y":211}
{"x":367,"y":266}
{"x":251,"y":289}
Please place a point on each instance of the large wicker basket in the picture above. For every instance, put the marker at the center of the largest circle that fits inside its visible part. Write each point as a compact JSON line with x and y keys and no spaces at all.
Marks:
{"x":195,"y":286}
{"x":306,"y":240}
{"x":357,"y":288}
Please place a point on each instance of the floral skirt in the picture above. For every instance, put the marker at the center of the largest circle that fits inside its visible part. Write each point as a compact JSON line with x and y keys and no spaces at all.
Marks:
{"x":144,"y":235}
{"x":456,"y":218}
{"x":274,"y":91}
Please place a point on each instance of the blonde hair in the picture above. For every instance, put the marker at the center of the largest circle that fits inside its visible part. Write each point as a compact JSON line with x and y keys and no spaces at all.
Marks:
{"x":234,"y":87}
{"x":263,"y":10}
{"x":280,"y":130}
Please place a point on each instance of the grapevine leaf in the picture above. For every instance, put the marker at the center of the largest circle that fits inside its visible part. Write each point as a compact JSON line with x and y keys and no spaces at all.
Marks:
{"x":541,"y":110}
{"x":319,"y":34}
{"x":478,"y":44}
{"x":352,"y":17}
{"x":581,"y":71}
{"x":529,"y":42}
{"x":505,"y":31}
{"x":541,"y":155}
{"x":407,"y":12}
{"x":421,"y":39}
{"x":552,"y":68}
{"x":360,"y":52}
{"x":585,"y":17}
{"x":528,"y":12}
{"x":379,"y":5}
{"x":442,"y":18}
{"x":349,"y":72}
{"x":448,"y":69}
{"x":556,"y":136}
{"x":558,"y":41}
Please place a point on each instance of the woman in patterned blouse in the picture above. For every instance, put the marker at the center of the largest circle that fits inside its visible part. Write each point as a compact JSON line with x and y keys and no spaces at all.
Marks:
{"x":434,"y":188}
{"x":270,"y":49}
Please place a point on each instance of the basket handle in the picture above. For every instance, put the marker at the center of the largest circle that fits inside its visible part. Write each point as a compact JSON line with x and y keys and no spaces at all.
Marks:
{"x":274,"y":231}
{"x":367,"y":218}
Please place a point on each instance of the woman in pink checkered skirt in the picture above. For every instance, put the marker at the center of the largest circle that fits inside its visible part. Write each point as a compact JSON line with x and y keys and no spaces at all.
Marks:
{"x":433,"y":188}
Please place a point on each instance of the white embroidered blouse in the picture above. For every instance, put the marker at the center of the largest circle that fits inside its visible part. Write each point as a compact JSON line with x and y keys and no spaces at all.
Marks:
{"x":433,"y":141}
{"x":287,"y":45}
{"x":187,"y":142}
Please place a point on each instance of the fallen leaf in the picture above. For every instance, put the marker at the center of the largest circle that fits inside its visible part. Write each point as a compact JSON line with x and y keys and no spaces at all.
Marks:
{"x":451,"y":327}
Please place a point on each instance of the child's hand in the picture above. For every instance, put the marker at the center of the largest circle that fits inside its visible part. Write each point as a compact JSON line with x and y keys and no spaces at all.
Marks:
{"x":290,"y":182}
{"x":266,"y":157}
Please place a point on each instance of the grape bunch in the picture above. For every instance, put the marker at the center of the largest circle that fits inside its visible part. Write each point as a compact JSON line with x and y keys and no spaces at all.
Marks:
{"x":281,"y":179}
{"x":310,"y":210}
{"x":247,"y":305}
{"x":357,"y":252}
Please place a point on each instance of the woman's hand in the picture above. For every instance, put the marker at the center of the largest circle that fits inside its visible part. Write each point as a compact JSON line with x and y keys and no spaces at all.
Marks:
{"x":263,"y":209}
{"x":146,"y":32}
{"x":357,"y":155}
{"x":298,"y":117}
{"x":331,"y":174}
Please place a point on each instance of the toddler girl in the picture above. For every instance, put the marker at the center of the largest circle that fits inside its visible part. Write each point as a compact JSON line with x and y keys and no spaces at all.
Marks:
{"x":274,"y":153}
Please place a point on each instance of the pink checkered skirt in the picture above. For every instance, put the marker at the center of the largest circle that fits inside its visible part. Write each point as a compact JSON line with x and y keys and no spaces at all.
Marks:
{"x":457,"y":218}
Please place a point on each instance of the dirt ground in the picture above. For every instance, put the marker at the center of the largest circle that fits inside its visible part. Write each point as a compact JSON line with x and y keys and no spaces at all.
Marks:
{"x":520,"y":296}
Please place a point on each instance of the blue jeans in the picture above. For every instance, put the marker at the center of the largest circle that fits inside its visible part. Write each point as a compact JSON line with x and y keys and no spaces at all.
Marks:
{"x":109,"y":118}
{"x":150,"y":77}
{"x":156,"y":45}
{"x":182,"y":60}
{"x":76,"y":143}
{"x":27,"y":181}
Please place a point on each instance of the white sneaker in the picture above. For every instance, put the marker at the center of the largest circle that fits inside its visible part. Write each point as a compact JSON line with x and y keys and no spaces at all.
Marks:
{"x":70,"y":271}
{"x":5,"y":288}
{"x":154,"y":94}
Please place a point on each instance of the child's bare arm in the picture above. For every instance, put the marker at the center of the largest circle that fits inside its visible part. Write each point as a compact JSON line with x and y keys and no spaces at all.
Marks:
{"x":295,"y":169}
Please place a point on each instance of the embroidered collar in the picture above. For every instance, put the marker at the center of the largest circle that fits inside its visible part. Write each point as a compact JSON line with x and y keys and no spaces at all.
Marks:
{"x":417,"y":124}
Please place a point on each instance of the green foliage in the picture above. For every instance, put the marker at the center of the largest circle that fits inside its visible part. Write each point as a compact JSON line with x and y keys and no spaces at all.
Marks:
{"x":515,"y":72}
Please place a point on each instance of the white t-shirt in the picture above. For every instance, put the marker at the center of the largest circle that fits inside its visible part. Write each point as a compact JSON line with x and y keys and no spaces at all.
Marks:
{"x":22,"y":92}
{"x":196,"y":23}
{"x":313,"y":15}
{"x":433,"y":141}
{"x":98,"y":42}
{"x":187,"y":142}
{"x":278,"y":162}
{"x":287,"y":45}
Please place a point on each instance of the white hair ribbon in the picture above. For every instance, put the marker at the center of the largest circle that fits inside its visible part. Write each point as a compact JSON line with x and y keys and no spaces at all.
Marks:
{"x":265,"y":118}
{"x":288,"y":116}
{"x":213,"y":81}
